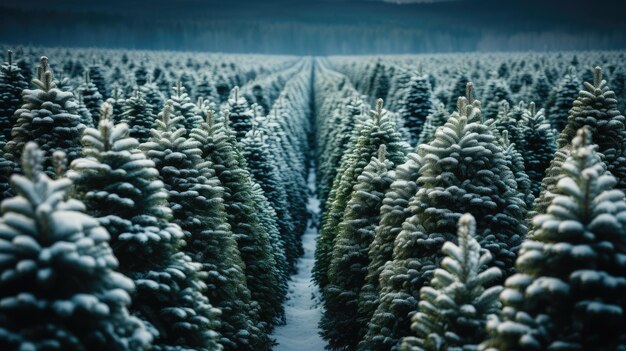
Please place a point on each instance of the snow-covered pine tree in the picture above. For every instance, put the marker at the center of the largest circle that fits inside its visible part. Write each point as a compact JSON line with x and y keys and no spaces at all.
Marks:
{"x":416,"y":106}
{"x":98,"y":77}
{"x":153,"y":95}
{"x":91,"y":98}
{"x":453,"y":309}
{"x":85,"y":115}
{"x":349,"y":260}
{"x":267,"y":219}
{"x":183,"y":106}
{"x":340,"y":134}
{"x":12,"y":83}
{"x":206,"y":89}
{"x":515,"y":162}
{"x":369,"y":135}
{"x":393,"y":212}
{"x":241,"y":115}
{"x":566,"y":92}
{"x":264,"y":170}
{"x":196,"y":198}
{"x":596,"y":108}
{"x":47,"y":118}
{"x":462,"y":170}
{"x":568,"y":290}
{"x":496,"y":91}
{"x":538,"y":146}
{"x":59,"y":289}
{"x":220,"y":147}
{"x":435,"y":120}
{"x":139,"y":115}
{"x":120,"y":187}
{"x":541,"y":88}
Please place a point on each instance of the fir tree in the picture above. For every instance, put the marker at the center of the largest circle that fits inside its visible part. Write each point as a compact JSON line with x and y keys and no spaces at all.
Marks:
{"x":595,"y":108}
{"x":515,"y":162}
{"x":453,"y":309}
{"x":496,"y":91}
{"x":47,"y":118}
{"x":139,"y":115}
{"x":59,"y":289}
{"x":349,"y":261}
{"x":370,"y":134}
{"x":538,"y":145}
{"x":567,"y":293}
{"x":12,"y":83}
{"x":241,"y":116}
{"x":97,"y":76}
{"x":219,"y":146}
{"x":183,"y":107}
{"x":91,"y":98}
{"x":566,"y":92}
{"x":433,"y":121}
{"x":416,"y":106}
{"x":120,"y":187}
{"x":462,"y":170}
{"x":393,"y":212}
{"x":265,"y":172}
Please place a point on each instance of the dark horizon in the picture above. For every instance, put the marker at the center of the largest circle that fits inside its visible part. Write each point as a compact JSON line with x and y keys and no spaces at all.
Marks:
{"x":317,"y":27}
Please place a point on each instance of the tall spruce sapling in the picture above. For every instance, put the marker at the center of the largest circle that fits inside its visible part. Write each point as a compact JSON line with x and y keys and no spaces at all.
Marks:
{"x":595,"y":108}
{"x":12,"y":83}
{"x":349,"y":262}
{"x":567,"y":293}
{"x":59,"y":289}
{"x":454,"y":307}
{"x":120,"y":187}
{"x":369,"y":135}
{"x":47,"y":117}
{"x":460,"y":169}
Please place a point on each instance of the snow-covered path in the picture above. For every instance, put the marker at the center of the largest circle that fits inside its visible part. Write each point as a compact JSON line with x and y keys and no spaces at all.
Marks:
{"x":303,"y":308}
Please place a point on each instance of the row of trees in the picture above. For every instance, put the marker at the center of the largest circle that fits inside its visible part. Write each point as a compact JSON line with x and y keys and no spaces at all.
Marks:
{"x":131,"y":230}
{"x":494,"y":234}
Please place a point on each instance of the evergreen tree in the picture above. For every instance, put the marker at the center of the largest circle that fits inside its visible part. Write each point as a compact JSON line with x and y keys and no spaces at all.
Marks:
{"x":462,"y":170}
{"x":265,"y":172}
{"x":369,"y":135}
{"x":47,"y":118}
{"x":139,"y":115}
{"x":196,"y":198}
{"x":453,"y":309}
{"x":541,"y":89}
{"x":538,"y":145}
{"x":416,"y":106}
{"x":241,"y":116}
{"x":58,"y":288}
{"x":393,"y":212}
{"x":97,"y":76}
{"x":85,"y":115}
{"x":595,"y":108}
{"x":349,"y":260}
{"x":183,"y":107}
{"x":219,"y":146}
{"x":120,"y":187}
{"x":91,"y":98}
{"x":12,"y":83}
{"x":515,"y":162}
{"x":433,"y":121}
{"x":568,"y":290}
{"x":566,"y":92}
{"x":496,"y":91}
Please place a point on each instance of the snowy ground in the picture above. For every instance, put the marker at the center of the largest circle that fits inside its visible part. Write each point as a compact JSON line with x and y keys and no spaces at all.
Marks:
{"x":303,"y":308}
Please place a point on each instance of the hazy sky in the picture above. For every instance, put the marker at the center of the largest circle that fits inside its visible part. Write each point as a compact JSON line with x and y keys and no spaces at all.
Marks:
{"x":318,"y":26}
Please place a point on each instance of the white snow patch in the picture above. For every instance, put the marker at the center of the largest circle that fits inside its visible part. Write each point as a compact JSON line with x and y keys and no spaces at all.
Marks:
{"x":303,"y":308}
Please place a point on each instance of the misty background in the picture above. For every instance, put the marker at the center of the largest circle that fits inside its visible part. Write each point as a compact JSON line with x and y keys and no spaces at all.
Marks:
{"x":317,"y":27}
